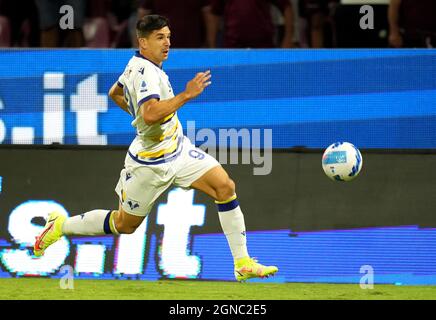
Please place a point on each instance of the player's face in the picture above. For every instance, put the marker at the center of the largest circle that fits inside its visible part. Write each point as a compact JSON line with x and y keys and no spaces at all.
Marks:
{"x":157,"y":44}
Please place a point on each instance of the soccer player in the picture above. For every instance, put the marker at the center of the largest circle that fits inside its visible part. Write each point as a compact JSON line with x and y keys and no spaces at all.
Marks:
{"x":160,"y":156}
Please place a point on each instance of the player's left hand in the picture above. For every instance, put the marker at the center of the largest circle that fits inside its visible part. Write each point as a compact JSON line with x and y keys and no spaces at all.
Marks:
{"x":196,"y":86}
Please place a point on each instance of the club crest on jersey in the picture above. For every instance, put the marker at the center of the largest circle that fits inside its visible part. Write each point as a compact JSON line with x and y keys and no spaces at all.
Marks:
{"x":141,"y":71}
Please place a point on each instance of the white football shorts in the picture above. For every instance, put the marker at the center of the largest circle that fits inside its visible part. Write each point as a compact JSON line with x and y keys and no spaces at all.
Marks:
{"x":141,"y":184}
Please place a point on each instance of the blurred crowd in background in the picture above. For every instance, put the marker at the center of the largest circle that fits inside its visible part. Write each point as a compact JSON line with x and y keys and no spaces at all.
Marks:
{"x":220,"y":23}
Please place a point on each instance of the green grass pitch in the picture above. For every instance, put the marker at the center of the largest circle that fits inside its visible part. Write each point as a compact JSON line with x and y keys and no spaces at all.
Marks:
{"x":49,"y":289}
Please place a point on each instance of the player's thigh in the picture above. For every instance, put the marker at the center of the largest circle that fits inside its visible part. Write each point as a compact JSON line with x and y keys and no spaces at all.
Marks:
{"x":139,"y":186}
{"x":216,"y":183}
{"x":125,"y":222}
{"x":194,"y":169}
{"x":199,"y":170}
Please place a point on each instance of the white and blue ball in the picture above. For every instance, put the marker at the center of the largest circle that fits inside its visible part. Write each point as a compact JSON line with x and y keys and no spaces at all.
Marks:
{"x":342,"y":161}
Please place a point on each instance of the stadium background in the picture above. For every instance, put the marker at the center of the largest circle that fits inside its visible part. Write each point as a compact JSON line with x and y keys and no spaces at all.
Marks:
{"x":64,"y":143}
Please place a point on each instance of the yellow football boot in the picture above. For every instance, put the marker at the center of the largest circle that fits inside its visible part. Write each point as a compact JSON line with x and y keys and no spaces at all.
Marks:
{"x":247,"y":268}
{"x":51,"y":233}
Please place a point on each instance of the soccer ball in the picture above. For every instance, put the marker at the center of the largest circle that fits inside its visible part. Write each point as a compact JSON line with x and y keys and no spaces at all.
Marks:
{"x":342,"y":161}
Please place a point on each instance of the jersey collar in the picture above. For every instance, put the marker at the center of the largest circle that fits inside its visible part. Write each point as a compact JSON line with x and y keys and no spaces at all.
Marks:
{"x":139,"y":55}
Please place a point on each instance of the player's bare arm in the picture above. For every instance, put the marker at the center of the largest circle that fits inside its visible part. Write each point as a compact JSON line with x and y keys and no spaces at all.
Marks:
{"x":117,"y":95}
{"x":153,"y":110}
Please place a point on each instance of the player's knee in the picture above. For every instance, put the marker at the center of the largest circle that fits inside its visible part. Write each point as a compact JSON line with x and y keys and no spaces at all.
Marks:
{"x":225,"y":190}
{"x":123,"y":226}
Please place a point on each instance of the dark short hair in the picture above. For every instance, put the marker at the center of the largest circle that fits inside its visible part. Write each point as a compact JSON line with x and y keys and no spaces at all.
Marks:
{"x":147,"y":24}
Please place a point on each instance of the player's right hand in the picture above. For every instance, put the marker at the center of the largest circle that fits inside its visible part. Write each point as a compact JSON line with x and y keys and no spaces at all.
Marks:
{"x":196,"y":86}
